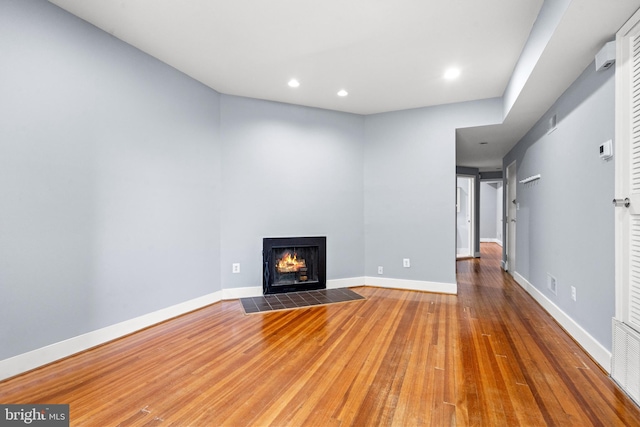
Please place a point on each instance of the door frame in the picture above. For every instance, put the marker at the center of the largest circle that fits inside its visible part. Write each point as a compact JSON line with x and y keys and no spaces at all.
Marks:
{"x":625,"y":285}
{"x":472,"y":214}
{"x":510,"y":217}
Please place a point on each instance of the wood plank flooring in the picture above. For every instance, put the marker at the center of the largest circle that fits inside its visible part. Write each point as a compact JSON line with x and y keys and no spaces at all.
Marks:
{"x":487,"y":357}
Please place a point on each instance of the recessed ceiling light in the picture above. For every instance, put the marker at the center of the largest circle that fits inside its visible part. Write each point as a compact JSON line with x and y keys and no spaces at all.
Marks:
{"x":343,"y":93}
{"x":293,"y":83}
{"x":452,"y":73}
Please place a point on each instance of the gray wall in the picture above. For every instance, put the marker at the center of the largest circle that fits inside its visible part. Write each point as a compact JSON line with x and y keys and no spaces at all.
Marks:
{"x":128,"y":187}
{"x":109,"y":180}
{"x":290,"y":171}
{"x":565,"y":225}
{"x":410,"y":188}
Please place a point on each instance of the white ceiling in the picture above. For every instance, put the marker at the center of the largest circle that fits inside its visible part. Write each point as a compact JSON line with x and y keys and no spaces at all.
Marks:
{"x":388,"y":54}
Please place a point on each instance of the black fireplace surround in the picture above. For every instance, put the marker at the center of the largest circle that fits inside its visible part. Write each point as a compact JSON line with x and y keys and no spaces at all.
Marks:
{"x":293,"y":264}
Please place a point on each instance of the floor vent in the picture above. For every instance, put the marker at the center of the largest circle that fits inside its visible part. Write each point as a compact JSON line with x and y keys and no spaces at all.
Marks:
{"x":625,"y":365}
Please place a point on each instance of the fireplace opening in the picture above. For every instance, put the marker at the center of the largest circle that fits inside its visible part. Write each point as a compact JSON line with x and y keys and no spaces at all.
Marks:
{"x":292,"y":264}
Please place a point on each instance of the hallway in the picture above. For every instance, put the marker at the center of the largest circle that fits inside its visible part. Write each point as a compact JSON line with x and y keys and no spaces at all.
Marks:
{"x":516,"y":349}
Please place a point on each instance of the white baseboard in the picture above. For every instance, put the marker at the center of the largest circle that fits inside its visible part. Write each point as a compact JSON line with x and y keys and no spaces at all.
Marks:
{"x":412,"y":285}
{"x":350,"y":282}
{"x":487,"y":240}
{"x":42,"y":356}
{"x":237,"y":293}
{"x":599,"y":353}
{"x":256,"y":291}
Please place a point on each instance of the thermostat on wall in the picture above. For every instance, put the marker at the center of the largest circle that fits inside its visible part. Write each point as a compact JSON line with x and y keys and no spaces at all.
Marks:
{"x":606,"y":150}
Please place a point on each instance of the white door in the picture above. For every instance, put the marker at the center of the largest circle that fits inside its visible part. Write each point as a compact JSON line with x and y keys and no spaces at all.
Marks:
{"x":627,"y":165}
{"x":511,"y":209}
{"x":464,"y":223}
{"x":499,"y":201}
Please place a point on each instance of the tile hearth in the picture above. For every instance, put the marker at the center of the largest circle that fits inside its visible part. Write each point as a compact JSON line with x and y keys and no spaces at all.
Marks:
{"x":293,"y":300}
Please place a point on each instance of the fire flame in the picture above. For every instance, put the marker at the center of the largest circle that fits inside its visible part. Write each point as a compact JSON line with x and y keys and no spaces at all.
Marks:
{"x":289,"y":264}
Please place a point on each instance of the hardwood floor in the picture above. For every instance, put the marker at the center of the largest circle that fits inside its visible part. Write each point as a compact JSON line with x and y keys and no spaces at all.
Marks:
{"x":487,"y":357}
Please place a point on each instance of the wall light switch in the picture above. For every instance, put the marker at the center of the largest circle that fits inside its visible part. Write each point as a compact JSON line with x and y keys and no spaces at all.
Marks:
{"x":235,"y":267}
{"x":406,"y":263}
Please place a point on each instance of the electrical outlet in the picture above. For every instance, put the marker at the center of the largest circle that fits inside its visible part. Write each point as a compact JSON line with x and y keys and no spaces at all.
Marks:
{"x":235,"y":267}
{"x":380,"y":270}
{"x":552,"y":284}
{"x":406,"y":263}
{"x":573,"y":293}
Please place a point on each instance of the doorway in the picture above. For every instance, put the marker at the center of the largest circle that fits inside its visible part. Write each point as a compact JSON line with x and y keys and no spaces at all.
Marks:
{"x":511,"y":208}
{"x":465,"y":212}
{"x":491,"y":215}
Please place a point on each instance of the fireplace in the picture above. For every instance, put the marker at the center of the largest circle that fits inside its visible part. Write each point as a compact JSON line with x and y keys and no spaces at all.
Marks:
{"x":292,"y":264}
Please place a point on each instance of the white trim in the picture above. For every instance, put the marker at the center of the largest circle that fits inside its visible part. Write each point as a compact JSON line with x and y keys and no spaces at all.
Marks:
{"x":622,"y":154}
{"x":44,"y":355}
{"x":237,"y":293}
{"x":256,"y":291}
{"x":412,"y":285}
{"x":600,"y":354}
{"x":623,"y":110}
{"x":473,"y":183}
{"x":510,"y":190}
{"x":350,"y":282}
{"x":487,"y":240}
